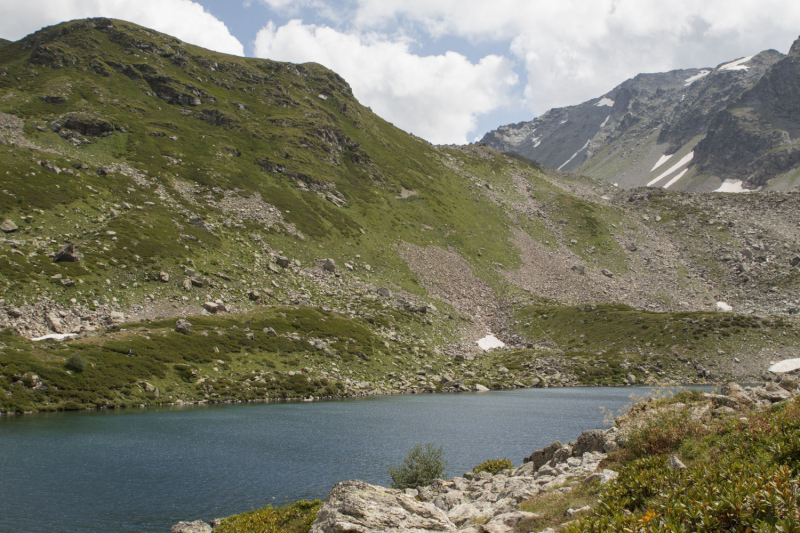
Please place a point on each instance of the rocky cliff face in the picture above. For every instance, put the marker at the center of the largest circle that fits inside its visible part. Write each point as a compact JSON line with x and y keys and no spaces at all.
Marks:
{"x":754,"y":138}
{"x":623,"y":135}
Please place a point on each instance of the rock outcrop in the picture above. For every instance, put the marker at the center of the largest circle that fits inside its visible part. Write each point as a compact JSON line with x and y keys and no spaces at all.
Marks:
{"x":358,"y":506}
{"x":474,"y":503}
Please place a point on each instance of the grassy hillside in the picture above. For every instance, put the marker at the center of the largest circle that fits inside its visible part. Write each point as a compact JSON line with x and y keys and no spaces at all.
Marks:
{"x":200,"y":185}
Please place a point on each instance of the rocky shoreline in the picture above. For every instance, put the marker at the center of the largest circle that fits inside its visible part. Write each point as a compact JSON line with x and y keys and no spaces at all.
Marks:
{"x":394,"y":392}
{"x":490,"y":503}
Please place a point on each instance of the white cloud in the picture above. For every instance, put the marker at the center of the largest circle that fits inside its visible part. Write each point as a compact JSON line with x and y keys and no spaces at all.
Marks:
{"x":574,"y":50}
{"x":435,"y":97}
{"x":184,"y":19}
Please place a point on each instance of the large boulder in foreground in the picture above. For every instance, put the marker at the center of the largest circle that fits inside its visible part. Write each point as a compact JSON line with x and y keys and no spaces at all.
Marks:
{"x":356,"y":506}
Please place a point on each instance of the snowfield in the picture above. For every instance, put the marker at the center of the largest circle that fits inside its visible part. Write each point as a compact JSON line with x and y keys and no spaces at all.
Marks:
{"x":664,"y":159}
{"x":490,"y":342}
{"x":702,"y":74}
{"x":736,"y":65}
{"x":676,"y":178}
{"x":575,"y":154}
{"x":732,"y":186}
{"x":688,"y":157}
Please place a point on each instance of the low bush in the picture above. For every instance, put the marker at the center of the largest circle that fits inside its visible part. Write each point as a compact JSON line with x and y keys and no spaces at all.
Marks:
{"x":493,"y":466}
{"x":294,"y":518}
{"x":76,"y":363}
{"x":422,"y":465}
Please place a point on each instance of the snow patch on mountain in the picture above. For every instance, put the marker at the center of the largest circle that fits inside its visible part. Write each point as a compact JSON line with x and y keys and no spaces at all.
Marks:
{"x":575,"y":154}
{"x":731,"y":186}
{"x":688,"y":157}
{"x":605,"y":101}
{"x":702,"y":74}
{"x":664,"y":159}
{"x":490,"y":342}
{"x":736,"y":65}
{"x":676,"y":178}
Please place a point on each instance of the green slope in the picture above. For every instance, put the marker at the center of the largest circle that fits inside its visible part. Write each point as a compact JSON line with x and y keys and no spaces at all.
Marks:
{"x":186,"y":176}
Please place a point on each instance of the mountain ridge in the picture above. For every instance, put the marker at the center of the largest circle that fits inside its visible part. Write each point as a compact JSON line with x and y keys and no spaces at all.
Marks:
{"x":656,"y":115}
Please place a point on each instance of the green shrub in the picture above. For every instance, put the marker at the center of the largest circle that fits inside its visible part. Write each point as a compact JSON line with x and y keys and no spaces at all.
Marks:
{"x":662,"y":434}
{"x":294,"y":518}
{"x":421,"y":466}
{"x":493,"y":466}
{"x":746,"y":483}
{"x":76,"y":363}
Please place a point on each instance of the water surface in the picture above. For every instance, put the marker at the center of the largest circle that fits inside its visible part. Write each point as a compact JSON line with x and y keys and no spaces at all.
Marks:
{"x":144,"y":470}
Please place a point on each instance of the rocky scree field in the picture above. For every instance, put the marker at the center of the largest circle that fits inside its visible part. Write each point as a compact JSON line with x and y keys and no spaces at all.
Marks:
{"x":202,"y":227}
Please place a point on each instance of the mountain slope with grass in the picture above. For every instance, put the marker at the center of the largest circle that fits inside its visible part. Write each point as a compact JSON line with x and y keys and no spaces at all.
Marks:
{"x":316,"y":250}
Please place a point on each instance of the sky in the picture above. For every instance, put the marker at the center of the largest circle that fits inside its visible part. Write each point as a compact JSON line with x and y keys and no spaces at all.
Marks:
{"x":451,"y":70}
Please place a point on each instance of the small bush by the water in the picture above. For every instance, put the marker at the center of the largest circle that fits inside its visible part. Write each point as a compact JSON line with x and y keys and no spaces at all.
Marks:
{"x":76,"y":363}
{"x":493,"y":466}
{"x":294,"y":518}
{"x":422,"y":465}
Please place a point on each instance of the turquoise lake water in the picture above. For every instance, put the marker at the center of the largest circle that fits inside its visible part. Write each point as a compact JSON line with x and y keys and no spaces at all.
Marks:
{"x":144,"y":470}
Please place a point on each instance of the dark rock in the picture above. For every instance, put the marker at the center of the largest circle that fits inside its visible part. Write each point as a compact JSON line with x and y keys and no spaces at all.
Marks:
{"x":283,"y":262}
{"x":540,"y":457}
{"x":68,"y":254}
{"x":54,"y":99}
{"x":183,"y":326}
{"x":329,"y":265}
{"x":593,"y":440}
{"x":579,"y":269}
{"x":384,"y":292}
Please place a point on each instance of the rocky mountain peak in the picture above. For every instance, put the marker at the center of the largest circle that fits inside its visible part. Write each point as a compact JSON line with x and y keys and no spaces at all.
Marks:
{"x":795,"y":49}
{"x":627,"y":134}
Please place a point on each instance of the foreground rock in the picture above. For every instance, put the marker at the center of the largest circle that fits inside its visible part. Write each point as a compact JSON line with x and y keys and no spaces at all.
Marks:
{"x":360,"y":507}
{"x":198,"y":526}
{"x":475,"y":503}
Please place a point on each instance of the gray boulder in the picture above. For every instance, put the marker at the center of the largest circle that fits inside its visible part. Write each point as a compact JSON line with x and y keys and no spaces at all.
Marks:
{"x":8,"y":226}
{"x":68,"y":254}
{"x":357,"y":506}
{"x":198,"y":526}
{"x":540,"y":457}
{"x":384,"y":292}
{"x":675,"y":463}
{"x":183,"y":325}
{"x":593,"y":440}
{"x":329,"y":265}
{"x":463,"y":514}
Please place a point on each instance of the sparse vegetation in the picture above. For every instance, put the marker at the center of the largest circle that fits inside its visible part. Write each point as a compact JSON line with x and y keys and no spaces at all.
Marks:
{"x":741,"y":475}
{"x":294,"y":518}
{"x":493,"y":466}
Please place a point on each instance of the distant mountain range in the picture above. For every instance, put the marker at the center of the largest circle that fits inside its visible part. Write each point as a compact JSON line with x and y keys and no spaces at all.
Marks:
{"x":729,"y":128}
